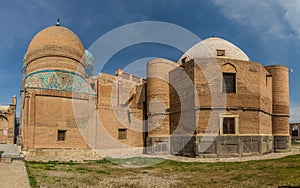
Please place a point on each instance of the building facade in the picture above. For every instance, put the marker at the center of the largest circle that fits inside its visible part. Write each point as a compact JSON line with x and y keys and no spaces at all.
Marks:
{"x":8,"y":125}
{"x":214,"y":101}
{"x":295,"y":131}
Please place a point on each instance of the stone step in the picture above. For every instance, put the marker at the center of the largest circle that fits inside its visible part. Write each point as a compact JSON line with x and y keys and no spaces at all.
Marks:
{"x":11,"y":150}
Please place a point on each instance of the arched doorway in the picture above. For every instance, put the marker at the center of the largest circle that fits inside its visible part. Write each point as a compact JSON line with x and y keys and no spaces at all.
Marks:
{"x":295,"y":130}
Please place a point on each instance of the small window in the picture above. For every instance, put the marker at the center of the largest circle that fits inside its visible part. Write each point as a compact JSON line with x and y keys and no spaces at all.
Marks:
{"x":229,"y":125}
{"x":122,"y":134}
{"x":229,"y":83}
{"x":61,"y":135}
{"x":220,"y":52}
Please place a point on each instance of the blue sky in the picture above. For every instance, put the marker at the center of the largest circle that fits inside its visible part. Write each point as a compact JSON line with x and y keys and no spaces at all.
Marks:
{"x":267,"y":31}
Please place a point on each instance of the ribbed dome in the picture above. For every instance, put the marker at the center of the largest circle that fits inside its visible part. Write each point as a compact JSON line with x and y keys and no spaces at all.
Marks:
{"x":55,"y":41}
{"x":215,"y":47}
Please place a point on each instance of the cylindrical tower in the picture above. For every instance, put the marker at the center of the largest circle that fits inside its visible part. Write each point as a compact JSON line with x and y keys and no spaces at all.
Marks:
{"x":158,"y":98}
{"x":280,"y":106}
{"x":158,"y":101}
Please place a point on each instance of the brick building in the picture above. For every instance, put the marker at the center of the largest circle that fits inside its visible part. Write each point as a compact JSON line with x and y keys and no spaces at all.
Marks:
{"x":213,"y":101}
{"x":8,"y":125}
{"x":295,"y":131}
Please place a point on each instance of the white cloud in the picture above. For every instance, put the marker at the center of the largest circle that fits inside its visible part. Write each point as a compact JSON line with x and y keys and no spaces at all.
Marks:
{"x":292,"y":14}
{"x":269,"y":18}
{"x":295,"y":114}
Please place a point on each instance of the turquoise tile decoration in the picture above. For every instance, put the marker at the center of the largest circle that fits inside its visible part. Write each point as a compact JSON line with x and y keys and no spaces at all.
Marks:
{"x":58,"y":80}
{"x":89,"y":68}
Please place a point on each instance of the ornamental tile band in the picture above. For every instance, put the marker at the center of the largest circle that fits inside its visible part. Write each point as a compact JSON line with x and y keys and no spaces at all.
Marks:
{"x":58,"y":80}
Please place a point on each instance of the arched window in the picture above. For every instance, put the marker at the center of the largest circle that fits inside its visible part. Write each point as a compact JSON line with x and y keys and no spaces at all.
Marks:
{"x":229,"y":78}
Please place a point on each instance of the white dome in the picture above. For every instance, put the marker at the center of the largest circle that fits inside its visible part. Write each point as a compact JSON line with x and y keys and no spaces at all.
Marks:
{"x":215,"y":47}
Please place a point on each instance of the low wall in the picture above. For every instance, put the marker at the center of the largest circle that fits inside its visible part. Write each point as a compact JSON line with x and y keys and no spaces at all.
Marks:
{"x":212,"y":146}
{"x":60,"y":155}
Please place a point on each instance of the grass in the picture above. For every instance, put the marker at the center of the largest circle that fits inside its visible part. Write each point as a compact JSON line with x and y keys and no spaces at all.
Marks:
{"x":104,"y":173}
{"x":296,"y":143}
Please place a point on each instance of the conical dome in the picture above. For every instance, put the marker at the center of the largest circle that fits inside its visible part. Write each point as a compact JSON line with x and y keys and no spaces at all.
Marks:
{"x":55,"y":41}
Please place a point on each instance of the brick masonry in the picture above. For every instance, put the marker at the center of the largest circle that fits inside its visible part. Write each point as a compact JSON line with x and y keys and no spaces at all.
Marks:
{"x":8,"y":124}
{"x":178,"y":109}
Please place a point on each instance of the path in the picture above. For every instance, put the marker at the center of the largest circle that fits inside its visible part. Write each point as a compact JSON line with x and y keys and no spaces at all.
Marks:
{"x":13,"y":175}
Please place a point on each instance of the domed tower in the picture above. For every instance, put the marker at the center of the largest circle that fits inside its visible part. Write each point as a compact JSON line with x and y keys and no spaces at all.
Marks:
{"x":54,"y":60}
{"x":232,"y":101}
{"x":55,"y":79}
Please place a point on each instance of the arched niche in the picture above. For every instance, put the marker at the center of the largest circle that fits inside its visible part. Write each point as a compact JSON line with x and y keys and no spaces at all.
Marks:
{"x":228,"y":68}
{"x":3,"y":125}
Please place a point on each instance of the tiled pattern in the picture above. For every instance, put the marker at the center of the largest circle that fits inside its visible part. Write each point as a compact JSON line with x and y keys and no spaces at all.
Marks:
{"x":89,"y":69}
{"x":57,"y":80}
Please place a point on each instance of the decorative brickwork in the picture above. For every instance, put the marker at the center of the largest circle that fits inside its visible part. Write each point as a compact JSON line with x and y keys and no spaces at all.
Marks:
{"x":8,"y":124}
